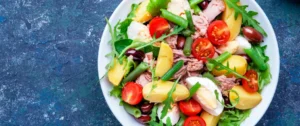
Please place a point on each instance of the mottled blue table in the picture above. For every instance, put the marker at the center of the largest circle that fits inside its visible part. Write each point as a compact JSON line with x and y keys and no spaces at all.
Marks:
{"x":48,"y":64}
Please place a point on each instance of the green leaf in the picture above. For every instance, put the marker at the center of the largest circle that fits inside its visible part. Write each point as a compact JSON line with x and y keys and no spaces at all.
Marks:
{"x":123,"y":27}
{"x":211,"y":77}
{"x":174,"y":32}
{"x":233,"y":117}
{"x":153,"y":49}
{"x":236,"y":101}
{"x":264,"y":77}
{"x":181,"y":120}
{"x":169,"y":123}
{"x":132,"y":12}
{"x":220,"y":66}
{"x":153,"y":114}
{"x":116,"y":91}
{"x":167,"y":103}
{"x":193,"y":90}
{"x":248,"y":19}
{"x":155,"y":5}
{"x":120,"y":45}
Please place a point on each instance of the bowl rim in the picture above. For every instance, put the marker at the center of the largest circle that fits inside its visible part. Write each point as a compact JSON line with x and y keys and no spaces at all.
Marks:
{"x":274,"y":77}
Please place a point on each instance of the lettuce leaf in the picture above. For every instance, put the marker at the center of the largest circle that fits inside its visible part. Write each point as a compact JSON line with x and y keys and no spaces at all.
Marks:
{"x":233,"y":117}
{"x":264,"y":77}
{"x":123,"y":27}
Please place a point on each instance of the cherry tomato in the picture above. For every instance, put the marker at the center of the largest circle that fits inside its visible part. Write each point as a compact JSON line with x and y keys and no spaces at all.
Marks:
{"x":203,"y":49}
{"x":132,"y":93}
{"x":218,"y":32}
{"x":194,"y":121}
{"x":190,"y":107}
{"x":158,"y":26}
{"x":251,"y":86}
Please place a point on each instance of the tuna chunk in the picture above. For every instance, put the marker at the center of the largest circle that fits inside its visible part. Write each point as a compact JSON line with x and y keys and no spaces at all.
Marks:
{"x":172,"y":41}
{"x":182,"y":71}
{"x":144,"y":79}
{"x":202,"y":21}
{"x":201,"y":24}
{"x":226,"y":83}
{"x":194,"y":65}
{"x":214,"y":8}
{"x":148,"y":58}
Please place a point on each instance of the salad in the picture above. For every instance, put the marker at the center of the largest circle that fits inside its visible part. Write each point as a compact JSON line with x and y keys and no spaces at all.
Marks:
{"x":188,"y":62}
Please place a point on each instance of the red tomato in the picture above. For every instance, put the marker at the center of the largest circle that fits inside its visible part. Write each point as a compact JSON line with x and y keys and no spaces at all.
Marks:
{"x":218,"y":32}
{"x":190,"y":107}
{"x":203,"y":49}
{"x":251,"y":86}
{"x":132,"y":93}
{"x":194,"y":121}
{"x":158,"y":26}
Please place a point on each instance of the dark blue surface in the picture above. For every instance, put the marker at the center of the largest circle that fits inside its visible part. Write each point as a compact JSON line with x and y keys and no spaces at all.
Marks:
{"x":48,"y":65}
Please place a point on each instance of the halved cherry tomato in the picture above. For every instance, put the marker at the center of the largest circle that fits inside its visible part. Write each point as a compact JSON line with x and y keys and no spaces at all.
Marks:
{"x":251,"y":86}
{"x":203,"y":49}
{"x":190,"y":107}
{"x":218,"y":32}
{"x":132,"y":93}
{"x":158,"y":26}
{"x":194,"y":121}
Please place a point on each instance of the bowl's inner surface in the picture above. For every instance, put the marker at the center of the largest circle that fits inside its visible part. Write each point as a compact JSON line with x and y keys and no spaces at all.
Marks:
{"x":272,"y":51}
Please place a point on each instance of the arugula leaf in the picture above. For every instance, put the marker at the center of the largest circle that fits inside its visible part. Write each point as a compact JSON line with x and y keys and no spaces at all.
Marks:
{"x":169,"y":123}
{"x":153,"y":114}
{"x":236,"y":101}
{"x":181,"y":120}
{"x":152,"y":69}
{"x":167,"y":103}
{"x":211,"y":77}
{"x":154,"y":6}
{"x":220,"y":66}
{"x":233,"y":117}
{"x":174,"y":32}
{"x":193,"y":90}
{"x":247,"y":15}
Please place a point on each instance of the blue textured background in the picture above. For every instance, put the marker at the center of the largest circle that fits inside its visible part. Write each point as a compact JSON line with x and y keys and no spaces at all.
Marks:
{"x":48,"y":64}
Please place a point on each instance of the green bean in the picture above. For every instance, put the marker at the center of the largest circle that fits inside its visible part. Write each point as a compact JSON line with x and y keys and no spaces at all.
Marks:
{"x":257,"y":58}
{"x":190,"y":20}
{"x":132,"y":110}
{"x":196,"y":9}
{"x":136,"y":72}
{"x":174,"y":18}
{"x":172,"y":71}
{"x":188,"y":46}
{"x":220,"y":59}
{"x":194,"y":2}
{"x":186,"y":32}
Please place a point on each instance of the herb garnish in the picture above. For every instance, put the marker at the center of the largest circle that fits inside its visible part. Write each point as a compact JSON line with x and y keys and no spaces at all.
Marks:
{"x":247,"y":15}
{"x":193,"y":90}
{"x":211,"y":77}
{"x":220,"y":66}
{"x":236,"y":101}
{"x":167,"y":103}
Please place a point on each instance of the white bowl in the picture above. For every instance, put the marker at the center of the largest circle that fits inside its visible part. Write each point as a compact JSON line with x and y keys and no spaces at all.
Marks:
{"x":267,"y":94}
